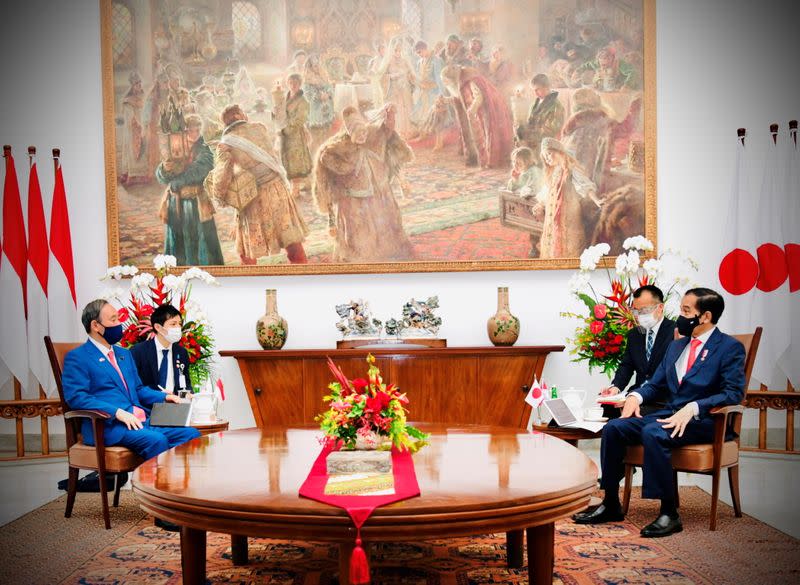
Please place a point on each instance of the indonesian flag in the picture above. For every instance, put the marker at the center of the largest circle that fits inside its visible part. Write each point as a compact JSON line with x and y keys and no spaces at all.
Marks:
{"x":13,"y":276}
{"x":536,"y":394}
{"x":62,"y":301}
{"x":791,"y":220}
{"x":38,"y":255}
{"x":753,"y":271}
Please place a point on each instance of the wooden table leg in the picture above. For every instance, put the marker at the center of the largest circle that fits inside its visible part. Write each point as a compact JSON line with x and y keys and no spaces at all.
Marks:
{"x":345,"y":550}
{"x":540,"y":554}
{"x":514,"y":548}
{"x":193,"y":556}
{"x":239,"y":550}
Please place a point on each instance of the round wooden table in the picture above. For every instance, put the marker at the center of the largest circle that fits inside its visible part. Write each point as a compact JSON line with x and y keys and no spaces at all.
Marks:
{"x":473,"y":480}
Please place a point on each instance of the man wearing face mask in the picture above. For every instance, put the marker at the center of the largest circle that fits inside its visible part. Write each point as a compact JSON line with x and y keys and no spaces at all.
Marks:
{"x":162,"y":363}
{"x":99,"y":375}
{"x":700,"y":371}
{"x":644,"y":349}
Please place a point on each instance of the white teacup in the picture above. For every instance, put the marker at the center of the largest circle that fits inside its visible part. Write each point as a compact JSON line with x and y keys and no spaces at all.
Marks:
{"x":593,"y":413}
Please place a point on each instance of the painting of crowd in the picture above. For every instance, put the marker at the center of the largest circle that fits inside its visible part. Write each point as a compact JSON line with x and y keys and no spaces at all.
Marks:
{"x":329,"y":145}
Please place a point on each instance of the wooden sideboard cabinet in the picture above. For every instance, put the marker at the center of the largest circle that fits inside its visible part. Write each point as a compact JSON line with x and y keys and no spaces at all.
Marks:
{"x":456,"y":385}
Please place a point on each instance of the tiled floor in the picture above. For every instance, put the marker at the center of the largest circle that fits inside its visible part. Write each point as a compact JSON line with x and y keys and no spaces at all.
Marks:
{"x":769,"y":487}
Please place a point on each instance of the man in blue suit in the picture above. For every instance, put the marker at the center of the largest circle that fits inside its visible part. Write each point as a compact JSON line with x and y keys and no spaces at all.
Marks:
{"x":161,"y":362}
{"x":98,"y":375}
{"x":700,"y":371}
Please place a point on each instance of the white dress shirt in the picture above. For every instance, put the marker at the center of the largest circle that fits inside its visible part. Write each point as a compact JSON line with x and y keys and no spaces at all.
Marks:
{"x":682,"y":361}
{"x":170,"y":384}
{"x":103,"y":349}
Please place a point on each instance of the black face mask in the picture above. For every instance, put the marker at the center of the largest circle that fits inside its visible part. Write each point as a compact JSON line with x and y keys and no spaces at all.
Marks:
{"x":112,"y":334}
{"x":686,"y":325}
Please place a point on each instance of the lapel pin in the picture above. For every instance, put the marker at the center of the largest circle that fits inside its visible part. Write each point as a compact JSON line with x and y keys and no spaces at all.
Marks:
{"x":703,"y":357}
{"x":101,"y":360}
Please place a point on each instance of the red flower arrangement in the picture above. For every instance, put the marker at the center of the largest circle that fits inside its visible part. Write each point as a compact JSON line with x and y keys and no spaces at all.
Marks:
{"x":364,"y":412}
{"x":148,"y":291}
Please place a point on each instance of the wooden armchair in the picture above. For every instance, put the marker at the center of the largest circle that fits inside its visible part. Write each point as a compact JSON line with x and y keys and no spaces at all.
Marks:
{"x":710,"y":458}
{"x":80,"y":456}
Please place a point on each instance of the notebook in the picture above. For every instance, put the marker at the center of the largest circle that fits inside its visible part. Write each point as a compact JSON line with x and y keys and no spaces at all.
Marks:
{"x":561,"y":412}
{"x":170,"y":414}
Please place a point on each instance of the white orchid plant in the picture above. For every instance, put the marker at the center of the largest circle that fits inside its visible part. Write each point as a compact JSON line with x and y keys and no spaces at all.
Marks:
{"x":147,"y":291}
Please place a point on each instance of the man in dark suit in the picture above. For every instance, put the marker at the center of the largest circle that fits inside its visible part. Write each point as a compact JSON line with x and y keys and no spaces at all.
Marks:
{"x":99,"y":375}
{"x":702,"y":370}
{"x":645,"y":348}
{"x":163,"y":364}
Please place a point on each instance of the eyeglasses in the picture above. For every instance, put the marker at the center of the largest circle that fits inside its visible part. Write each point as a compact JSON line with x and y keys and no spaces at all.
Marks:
{"x":645,"y":311}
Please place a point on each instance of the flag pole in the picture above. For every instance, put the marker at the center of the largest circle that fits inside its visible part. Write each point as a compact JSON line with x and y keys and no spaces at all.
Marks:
{"x":56,"y":157}
{"x":6,"y":151}
{"x":773,"y":129}
{"x":31,"y":154}
{"x":793,"y":130}
{"x":741,"y":132}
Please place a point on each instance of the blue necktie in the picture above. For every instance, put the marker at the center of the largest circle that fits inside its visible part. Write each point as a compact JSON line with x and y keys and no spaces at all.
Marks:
{"x":162,"y":369}
{"x":648,"y":348}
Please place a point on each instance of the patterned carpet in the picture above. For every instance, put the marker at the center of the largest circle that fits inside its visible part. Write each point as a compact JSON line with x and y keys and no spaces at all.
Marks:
{"x":44,"y":547}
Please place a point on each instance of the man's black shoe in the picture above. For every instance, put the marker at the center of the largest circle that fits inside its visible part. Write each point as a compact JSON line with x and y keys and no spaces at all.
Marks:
{"x":169,"y":526}
{"x":599,"y":515}
{"x":664,"y":525}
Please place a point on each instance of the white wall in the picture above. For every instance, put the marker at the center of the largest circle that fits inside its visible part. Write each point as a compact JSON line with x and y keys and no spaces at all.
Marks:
{"x":721,"y":65}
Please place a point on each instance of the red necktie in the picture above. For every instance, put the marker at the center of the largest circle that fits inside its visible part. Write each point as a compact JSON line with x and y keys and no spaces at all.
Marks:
{"x":692,"y":354}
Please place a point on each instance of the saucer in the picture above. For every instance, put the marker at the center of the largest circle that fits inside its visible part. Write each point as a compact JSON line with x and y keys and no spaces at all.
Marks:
{"x":598,"y":419}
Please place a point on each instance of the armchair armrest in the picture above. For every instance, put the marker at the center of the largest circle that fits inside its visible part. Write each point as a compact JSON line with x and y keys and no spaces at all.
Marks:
{"x":721,"y":414}
{"x":726,"y":410}
{"x":93,"y":414}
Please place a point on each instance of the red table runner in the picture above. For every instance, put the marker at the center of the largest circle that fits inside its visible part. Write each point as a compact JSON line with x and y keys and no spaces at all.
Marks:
{"x":359,"y":508}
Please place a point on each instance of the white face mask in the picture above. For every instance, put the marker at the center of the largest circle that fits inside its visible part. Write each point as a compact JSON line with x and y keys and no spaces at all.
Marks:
{"x":173,"y":334}
{"x":647,"y":321}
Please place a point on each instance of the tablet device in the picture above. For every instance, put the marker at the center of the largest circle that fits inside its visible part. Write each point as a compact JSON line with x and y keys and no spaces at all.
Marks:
{"x":560,"y":411}
{"x":171,"y":414}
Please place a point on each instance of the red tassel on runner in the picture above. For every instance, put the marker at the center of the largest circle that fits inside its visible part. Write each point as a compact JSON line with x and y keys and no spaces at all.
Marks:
{"x":359,"y":568}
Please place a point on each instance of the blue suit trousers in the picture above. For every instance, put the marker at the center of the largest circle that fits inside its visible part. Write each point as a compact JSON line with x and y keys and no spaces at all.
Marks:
{"x":150,"y":441}
{"x":658,"y":481}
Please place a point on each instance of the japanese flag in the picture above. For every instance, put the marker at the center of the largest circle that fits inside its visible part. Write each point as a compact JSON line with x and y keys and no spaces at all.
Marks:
{"x":536,"y":394}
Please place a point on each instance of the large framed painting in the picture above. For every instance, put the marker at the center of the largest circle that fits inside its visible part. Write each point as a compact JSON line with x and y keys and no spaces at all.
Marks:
{"x":334,"y":136}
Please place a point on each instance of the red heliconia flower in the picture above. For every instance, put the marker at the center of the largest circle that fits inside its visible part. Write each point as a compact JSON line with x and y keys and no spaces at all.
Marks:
{"x":339,"y":375}
{"x":618,"y":294}
{"x":644,"y":280}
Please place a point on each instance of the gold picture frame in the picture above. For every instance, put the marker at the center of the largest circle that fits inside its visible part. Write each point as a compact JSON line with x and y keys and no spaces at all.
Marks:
{"x":130,"y":217}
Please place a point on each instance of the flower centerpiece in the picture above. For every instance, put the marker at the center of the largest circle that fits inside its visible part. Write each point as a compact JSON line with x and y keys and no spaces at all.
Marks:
{"x":367,"y":413}
{"x":602,"y":334}
{"x":148,"y":291}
